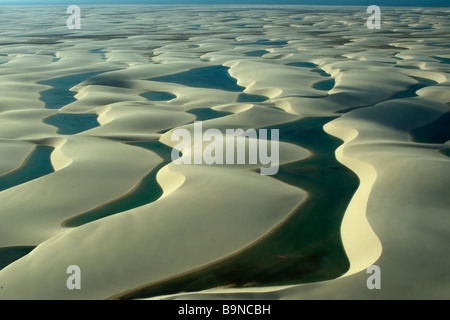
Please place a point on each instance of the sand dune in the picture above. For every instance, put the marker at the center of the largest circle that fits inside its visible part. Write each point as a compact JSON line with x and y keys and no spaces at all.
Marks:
{"x":86,"y":124}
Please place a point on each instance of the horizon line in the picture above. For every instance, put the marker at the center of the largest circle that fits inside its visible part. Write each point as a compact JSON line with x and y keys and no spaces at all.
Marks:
{"x":223,"y":4}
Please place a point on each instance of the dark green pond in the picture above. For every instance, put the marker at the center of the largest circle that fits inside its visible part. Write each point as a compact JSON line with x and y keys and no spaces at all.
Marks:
{"x":37,"y":165}
{"x":308,"y":246}
{"x":60,"y":95}
{"x":325,"y":85}
{"x":204,"y":114}
{"x":148,"y":191}
{"x":252,"y":98}
{"x":446,"y":152}
{"x":10,"y":254}
{"x":158,"y":96}
{"x":72,"y":123}
{"x":256,"y":53}
{"x":211,"y":77}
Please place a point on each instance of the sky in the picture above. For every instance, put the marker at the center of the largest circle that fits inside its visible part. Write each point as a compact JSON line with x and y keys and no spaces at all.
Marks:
{"x":412,"y":3}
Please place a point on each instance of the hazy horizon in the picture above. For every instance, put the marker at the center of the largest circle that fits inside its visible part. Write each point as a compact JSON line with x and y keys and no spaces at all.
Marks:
{"x":412,"y":3}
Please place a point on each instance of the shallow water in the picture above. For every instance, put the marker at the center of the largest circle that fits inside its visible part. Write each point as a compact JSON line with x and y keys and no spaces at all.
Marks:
{"x":100,"y":52}
{"x":212,"y":77}
{"x":302,"y":64}
{"x":256,"y":53}
{"x":37,"y":165}
{"x":204,"y":114}
{"x":72,"y":123}
{"x":60,"y":95}
{"x":305,"y":248}
{"x":271,"y":43}
{"x":244,"y":97}
{"x":148,"y":191}
{"x":10,"y":254}
{"x":443,"y":60}
{"x":325,"y":85}
{"x":323,"y":73}
{"x":411,"y":91}
{"x":158,"y":96}
{"x":446,"y":152}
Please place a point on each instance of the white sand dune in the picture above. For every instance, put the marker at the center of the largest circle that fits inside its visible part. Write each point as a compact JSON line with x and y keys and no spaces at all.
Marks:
{"x":292,"y":63}
{"x":405,"y":219}
{"x":69,"y":186}
{"x":17,"y":154}
{"x":167,"y":236}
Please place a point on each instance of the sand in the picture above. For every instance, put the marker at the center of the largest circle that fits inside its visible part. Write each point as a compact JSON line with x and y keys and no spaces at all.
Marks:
{"x":376,"y":87}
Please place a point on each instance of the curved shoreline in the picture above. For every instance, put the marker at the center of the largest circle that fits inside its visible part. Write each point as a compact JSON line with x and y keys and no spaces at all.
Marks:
{"x":280,"y":251}
{"x":139,"y":293}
